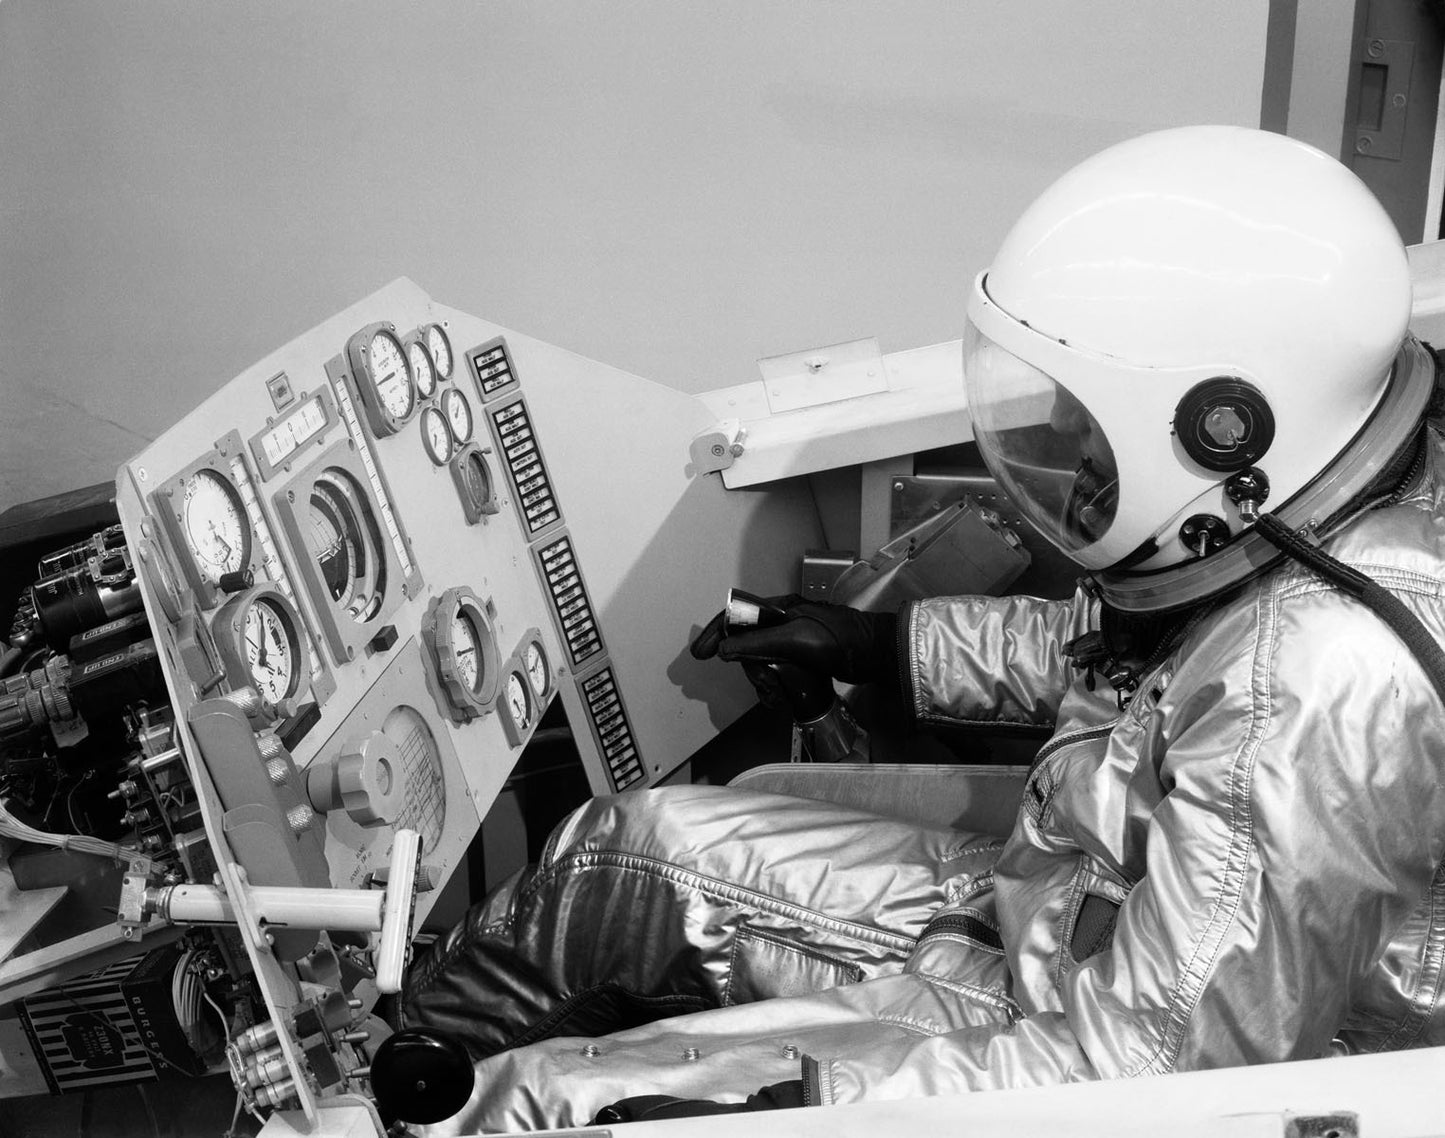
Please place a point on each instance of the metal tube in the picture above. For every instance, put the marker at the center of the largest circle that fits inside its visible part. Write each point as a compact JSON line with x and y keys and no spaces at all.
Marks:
{"x":354,"y":910}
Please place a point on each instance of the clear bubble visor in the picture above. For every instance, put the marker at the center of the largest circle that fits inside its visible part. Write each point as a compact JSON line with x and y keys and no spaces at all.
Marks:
{"x":1044,"y":447}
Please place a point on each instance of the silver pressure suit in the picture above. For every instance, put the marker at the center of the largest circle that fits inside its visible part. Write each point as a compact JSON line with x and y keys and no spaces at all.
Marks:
{"x":1242,"y":866}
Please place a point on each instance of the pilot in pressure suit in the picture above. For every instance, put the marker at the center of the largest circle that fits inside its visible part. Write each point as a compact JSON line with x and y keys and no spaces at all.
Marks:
{"x":1189,"y":367}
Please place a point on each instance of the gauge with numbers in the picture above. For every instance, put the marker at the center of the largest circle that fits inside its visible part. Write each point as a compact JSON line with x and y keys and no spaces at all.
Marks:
{"x":517,"y":707}
{"x":475,"y":484}
{"x":440,"y":348}
{"x":459,"y":414}
{"x":436,"y":436}
{"x":259,"y":639}
{"x":539,"y":672}
{"x":461,"y":648}
{"x":213,"y":520}
{"x":423,"y":371}
{"x":384,"y":378}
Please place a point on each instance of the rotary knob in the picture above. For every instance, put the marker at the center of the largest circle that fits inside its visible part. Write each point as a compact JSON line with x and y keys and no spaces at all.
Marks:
{"x":365,"y":779}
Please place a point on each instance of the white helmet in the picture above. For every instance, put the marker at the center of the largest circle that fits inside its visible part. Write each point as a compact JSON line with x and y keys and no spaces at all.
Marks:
{"x":1180,"y":307}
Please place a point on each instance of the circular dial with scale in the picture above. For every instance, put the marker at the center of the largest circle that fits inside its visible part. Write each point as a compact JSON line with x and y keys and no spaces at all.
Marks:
{"x":466,"y":649}
{"x":436,"y":436}
{"x":475,"y":487}
{"x":258,"y":637}
{"x":539,"y":673}
{"x":461,"y":650}
{"x":518,"y":700}
{"x":459,"y":414}
{"x":217,"y":532}
{"x":440,"y":348}
{"x":270,"y":641}
{"x":422,"y":369}
{"x":383,"y":373}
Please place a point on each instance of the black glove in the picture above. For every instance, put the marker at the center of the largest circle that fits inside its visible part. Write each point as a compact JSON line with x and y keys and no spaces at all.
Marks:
{"x":651,"y":1108}
{"x":855,"y":647}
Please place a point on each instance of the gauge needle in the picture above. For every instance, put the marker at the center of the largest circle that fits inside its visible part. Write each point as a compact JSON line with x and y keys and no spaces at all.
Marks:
{"x":221,"y":541}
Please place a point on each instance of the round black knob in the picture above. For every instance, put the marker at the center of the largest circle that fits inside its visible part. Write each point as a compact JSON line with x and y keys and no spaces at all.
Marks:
{"x":420,"y":1075}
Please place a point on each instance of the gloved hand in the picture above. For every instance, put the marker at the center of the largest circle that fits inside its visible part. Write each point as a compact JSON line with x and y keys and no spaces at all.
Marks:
{"x":651,"y":1108}
{"x":855,"y":647}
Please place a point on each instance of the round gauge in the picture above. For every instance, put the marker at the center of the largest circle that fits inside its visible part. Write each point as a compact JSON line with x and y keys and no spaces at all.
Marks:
{"x":466,"y":649}
{"x":440,"y":348}
{"x":436,"y":436}
{"x":459,"y":414}
{"x":424,"y":790}
{"x":346,"y":545}
{"x":461,"y":650}
{"x":518,"y":701}
{"x":270,"y":650}
{"x":214,"y":523}
{"x":257,"y":635}
{"x":383,"y":375}
{"x":539,"y":674}
{"x":422,"y":369}
{"x":473,"y":478}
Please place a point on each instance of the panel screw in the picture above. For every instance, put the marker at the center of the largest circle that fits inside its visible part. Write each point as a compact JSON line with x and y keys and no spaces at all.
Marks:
{"x":691,"y":1054}
{"x":592,"y":1051}
{"x":790,"y":1052}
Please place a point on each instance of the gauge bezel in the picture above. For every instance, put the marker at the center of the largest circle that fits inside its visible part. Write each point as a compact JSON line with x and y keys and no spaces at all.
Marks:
{"x":516,"y":732}
{"x":474,"y":510}
{"x":345,"y":637}
{"x":455,"y":698}
{"x":228,"y":630}
{"x":440,"y":327}
{"x":426,"y":439}
{"x":417,"y":340}
{"x":382,"y":421}
{"x":537,"y":701}
{"x":450,"y":397}
{"x":167,"y":504}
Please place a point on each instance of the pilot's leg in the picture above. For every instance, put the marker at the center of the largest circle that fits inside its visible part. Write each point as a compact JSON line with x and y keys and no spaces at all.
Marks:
{"x":656,"y":903}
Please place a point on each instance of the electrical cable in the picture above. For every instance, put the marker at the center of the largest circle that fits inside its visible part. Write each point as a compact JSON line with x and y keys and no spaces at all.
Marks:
{"x":12,"y":827}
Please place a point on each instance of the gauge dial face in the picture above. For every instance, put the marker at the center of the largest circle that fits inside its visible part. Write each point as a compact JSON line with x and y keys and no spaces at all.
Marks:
{"x":466,"y":650}
{"x":436,"y":436}
{"x":519,"y":701}
{"x":440,"y":348}
{"x":214,"y":523}
{"x":347,"y":546}
{"x":422,"y":369}
{"x":270,"y":650}
{"x":538,"y":674}
{"x":390,"y":374}
{"x":459,"y":414}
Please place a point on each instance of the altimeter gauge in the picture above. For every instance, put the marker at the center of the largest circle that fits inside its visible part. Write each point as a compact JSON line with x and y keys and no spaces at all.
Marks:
{"x":423,"y":371}
{"x":259,"y":638}
{"x":441,"y":349}
{"x":384,"y":379}
{"x":436,"y":436}
{"x":461,"y":648}
{"x":459,"y":414}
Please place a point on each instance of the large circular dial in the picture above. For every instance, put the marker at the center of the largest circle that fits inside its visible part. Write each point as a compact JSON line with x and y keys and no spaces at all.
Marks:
{"x":218,"y":535}
{"x":459,"y":414}
{"x":391,"y":374}
{"x":466,"y":649}
{"x":436,"y":436}
{"x":422,"y":369}
{"x":271,"y":653}
{"x":440,"y":348}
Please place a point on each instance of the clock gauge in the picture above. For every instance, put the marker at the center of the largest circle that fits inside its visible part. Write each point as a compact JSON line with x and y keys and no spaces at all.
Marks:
{"x":440,"y":348}
{"x":459,"y":414}
{"x":258,"y":637}
{"x":423,"y":371}
{"x":436,"y":436}
{"x":461,"y":650}
{"x":384,"y":378}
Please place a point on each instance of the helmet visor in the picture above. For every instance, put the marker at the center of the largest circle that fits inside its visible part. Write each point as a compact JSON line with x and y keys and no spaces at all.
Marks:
{"x":1044,"y":447}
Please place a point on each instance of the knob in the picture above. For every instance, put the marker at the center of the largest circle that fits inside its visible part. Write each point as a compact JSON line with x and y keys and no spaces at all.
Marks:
{"x":420,"y":1075}
{"x":365,"y":779}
